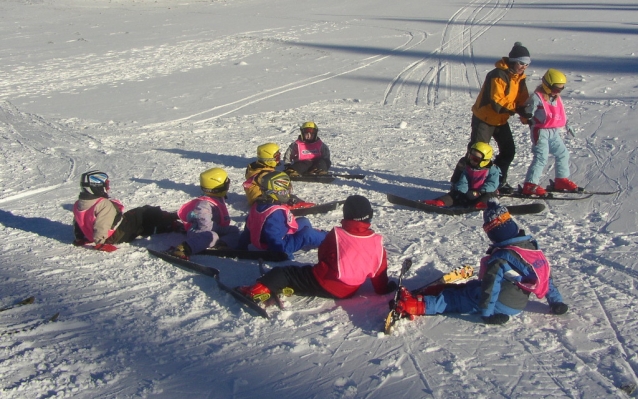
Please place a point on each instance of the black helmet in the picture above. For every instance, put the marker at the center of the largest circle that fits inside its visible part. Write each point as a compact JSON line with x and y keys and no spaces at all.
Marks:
{"x":95,"y":183}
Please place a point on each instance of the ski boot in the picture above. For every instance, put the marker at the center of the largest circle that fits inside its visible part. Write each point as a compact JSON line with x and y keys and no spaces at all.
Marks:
{"x":182,"y":251}
{"x":564,"y":184}
{"x":257,"y":292}
{"x":434,"y":202}
{"x":533,"y":189}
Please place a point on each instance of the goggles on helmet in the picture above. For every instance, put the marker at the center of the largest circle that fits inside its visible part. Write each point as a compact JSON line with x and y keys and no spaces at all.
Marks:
{"x":555,"y":89}
{"x":476,"y":157}
{"x":219,"y":189}
{"x":500,"y":219}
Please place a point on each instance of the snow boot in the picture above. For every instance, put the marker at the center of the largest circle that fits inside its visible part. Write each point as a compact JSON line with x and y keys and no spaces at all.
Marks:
{"x":182,"y":251}
{"x":257,"y":292}
{"x":533,"y":189}
{"x":505,"y":188}
{"x":434,"y":202}
{"x":410,"y":305}
{"x":564,"y":184}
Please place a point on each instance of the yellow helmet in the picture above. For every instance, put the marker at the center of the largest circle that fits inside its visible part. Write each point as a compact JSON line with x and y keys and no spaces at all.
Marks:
{"x":214,"y":182}
{"x":275,"y":187}
{"x":309,"y":127}
{"x":269,"y":154}
{"x":486,"y":153}
{"x":551,"y":78}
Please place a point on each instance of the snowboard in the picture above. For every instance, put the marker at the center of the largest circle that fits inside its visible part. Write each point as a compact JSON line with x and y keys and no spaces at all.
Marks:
{"x":321,"y":208}
{"x":211,"y":272}
{"x":523,"y":209}
{"x":459,"y":274}
{"x":394,"y":314}
{"x":550,"y":189}
{"x":270,"y":256}
{"x":325,"y":179}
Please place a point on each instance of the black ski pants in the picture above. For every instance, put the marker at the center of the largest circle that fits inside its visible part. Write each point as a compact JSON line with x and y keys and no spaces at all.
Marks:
{"x":299,"y":278}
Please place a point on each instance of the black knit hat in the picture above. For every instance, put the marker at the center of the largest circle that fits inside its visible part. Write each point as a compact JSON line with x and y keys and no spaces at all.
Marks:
{"x":357,"y":207}
{"x":519,"y":53}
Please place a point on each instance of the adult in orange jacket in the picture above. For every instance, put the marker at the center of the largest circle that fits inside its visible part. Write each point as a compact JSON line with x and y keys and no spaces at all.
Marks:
{"x":502,"y":95}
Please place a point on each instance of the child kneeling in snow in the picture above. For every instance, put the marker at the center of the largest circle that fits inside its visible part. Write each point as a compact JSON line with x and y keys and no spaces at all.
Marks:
{"x":347,"y":257}
{"x":513,"y":269}
{"x":478,"y":182}
{"x":102,"y":220}
{"x":206,"y":218}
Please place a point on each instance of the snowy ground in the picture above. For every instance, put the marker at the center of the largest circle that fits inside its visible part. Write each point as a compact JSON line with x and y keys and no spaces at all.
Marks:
{"x":155,"y":92}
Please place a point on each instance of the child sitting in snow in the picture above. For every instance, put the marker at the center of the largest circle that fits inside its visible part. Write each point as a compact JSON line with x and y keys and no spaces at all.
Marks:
{"x":478,"y":182}
{"x":514,"y":269}
{"x":268,"y":158}
{"x":271,"y":226}
{"x":545,"y":113}
{"x":101,"y":220}
{"x":206,"y":218}
{"x":308,"y":154}
{"x":347,"y":257}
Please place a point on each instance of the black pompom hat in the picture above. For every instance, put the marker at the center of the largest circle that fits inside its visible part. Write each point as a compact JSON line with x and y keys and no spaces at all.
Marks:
{"x":520,"y":53}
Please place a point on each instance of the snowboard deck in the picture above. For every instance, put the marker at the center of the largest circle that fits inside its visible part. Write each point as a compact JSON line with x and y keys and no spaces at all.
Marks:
{"x":523,"y":209}
{"x":270,"y":256}
{"x":326,"y":179}
{"x":550,"y":189}
{"x":321,"y":208}
{"x":211,"y":272}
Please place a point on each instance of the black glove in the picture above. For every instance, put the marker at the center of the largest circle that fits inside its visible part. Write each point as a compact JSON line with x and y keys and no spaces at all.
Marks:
{"x":472,"y":194}
{"x":391,"y":287}
{"x":559,"y":308}
{"x":496,"y":319}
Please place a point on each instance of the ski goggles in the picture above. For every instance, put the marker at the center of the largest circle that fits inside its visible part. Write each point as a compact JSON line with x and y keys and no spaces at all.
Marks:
{"x":499,"y":220}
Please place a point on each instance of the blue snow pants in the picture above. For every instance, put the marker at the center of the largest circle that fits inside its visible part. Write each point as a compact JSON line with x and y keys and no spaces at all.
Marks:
{"x":549,"y":142}
{"x":462,"y":299}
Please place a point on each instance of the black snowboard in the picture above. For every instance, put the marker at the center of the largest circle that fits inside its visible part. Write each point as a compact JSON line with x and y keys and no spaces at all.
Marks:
{"x":523,"y":209}
{"x":211,"y":272}
{"x":270,"y":256}
{"x":321,"y":208}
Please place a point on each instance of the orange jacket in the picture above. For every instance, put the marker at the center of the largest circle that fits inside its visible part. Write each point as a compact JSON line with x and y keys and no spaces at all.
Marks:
{"x":501,"y":94}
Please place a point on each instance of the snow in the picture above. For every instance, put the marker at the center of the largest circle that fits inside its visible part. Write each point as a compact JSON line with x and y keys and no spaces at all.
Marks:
{"x":155,"y":92}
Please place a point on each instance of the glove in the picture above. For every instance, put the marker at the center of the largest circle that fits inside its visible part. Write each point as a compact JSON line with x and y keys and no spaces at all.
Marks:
{"x":391,"y":286}
{"x":570,"y":130}
{"x":559,"y":308}
{"x":105,"y":247}
{"x":472,"y":194}
{"x":78,"y":242}
{"x":496,"y":319}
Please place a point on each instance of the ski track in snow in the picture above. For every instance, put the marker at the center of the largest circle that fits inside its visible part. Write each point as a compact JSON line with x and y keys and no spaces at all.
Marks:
{"x":431,"y":79}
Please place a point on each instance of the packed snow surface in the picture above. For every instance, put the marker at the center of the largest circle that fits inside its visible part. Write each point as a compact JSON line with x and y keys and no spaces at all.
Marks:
{"x":155,"y":92}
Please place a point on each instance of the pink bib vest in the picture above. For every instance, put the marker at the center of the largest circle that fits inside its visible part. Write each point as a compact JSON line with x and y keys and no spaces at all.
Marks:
{"x":185,"y":209}
{"x":86,"y":219}
{"x":358,"y":257}
{"x":256,"y":220}
{"x":476,"y":177}
{"x":537,"y":262}
{"x":554,"y":116}
{"x":308,"y":151}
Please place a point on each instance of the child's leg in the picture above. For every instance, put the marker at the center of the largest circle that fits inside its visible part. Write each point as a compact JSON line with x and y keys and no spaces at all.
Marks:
{"x":455,"y":300}
{"x":540,"y":150}
{"x":299,"y":278}
{"x":559,"y":151}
